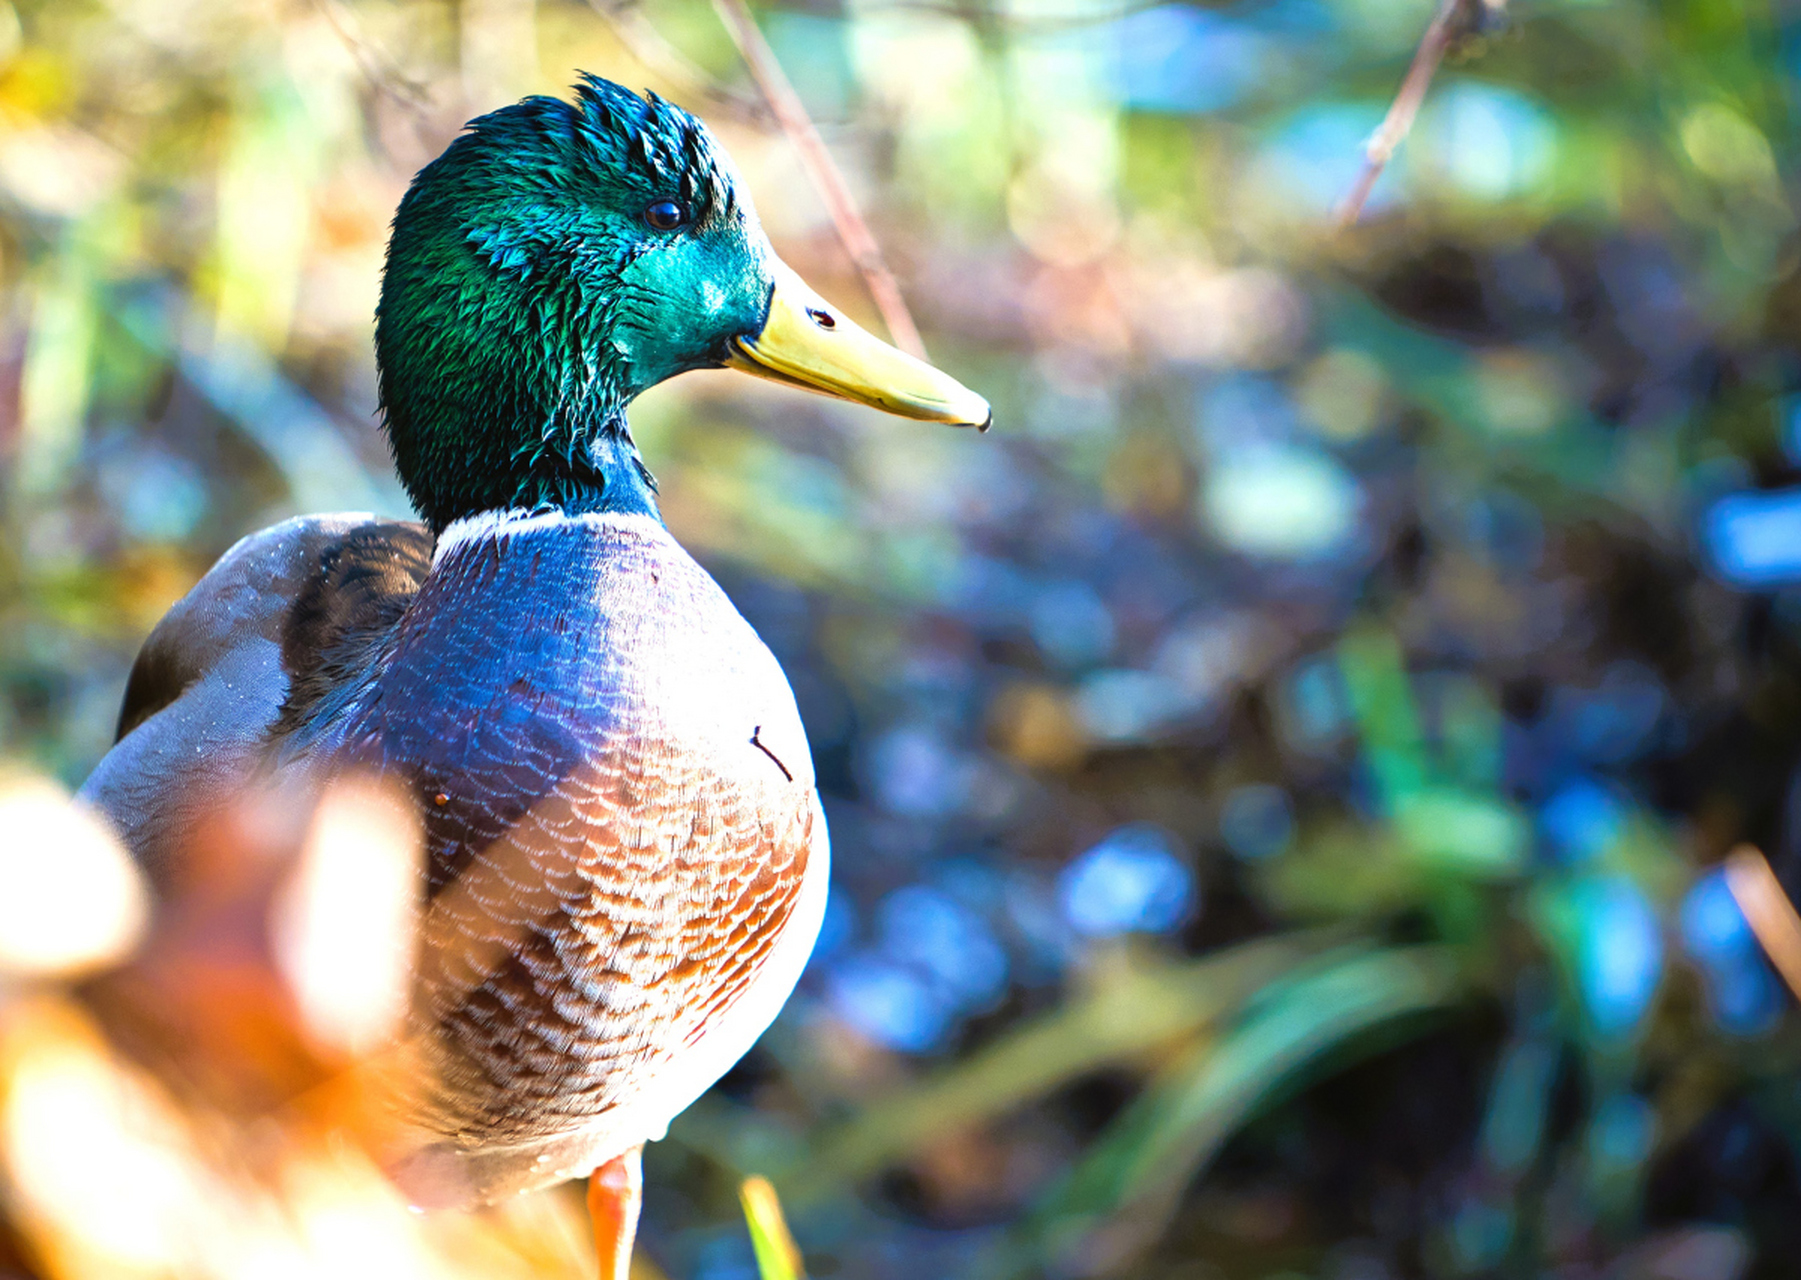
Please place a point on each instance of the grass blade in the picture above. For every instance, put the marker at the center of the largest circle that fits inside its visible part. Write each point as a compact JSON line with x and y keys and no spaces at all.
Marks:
{"x":1130,"y":1180}
{"x":1134,"y":1012}
{"x":778,"y":1257}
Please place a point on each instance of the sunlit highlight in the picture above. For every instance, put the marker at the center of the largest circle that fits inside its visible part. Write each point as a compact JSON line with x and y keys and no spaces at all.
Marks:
{"x":73,"y":899}
{"x":344,"y":924}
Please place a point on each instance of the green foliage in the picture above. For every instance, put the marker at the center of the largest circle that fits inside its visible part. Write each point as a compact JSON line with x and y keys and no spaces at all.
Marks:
{"x":1407,"y":525}
{"x":1129,"y":1181}
{"x":777,"y":1257}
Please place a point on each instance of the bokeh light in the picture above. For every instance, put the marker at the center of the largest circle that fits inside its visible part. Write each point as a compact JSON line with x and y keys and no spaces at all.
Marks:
{"x":1278,"y":778}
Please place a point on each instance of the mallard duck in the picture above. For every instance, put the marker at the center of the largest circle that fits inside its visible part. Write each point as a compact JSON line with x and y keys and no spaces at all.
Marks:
{"x":626,"y":855}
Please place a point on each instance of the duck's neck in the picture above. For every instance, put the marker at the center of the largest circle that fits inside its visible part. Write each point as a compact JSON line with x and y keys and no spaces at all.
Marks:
{"x":603,"y":473}
{"x":566,"y":538}
{"x":578,"y":467}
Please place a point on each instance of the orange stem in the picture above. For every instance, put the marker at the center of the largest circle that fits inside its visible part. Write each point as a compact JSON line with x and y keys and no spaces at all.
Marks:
{"x":1768,"y":911}
{"x":615,"y":1195}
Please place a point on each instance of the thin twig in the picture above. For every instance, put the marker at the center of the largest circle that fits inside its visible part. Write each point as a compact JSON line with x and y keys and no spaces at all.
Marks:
{"x":1767,"y":910}
{"x":648,"y":45}
{"x":377,"y":68}
{"x":776,"y":1252}
{"x":852,"y":230}
{"x":1452,"y":19}
{"x":1015,"y":24}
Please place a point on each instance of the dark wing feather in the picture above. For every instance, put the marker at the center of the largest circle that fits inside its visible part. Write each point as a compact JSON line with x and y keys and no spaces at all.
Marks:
{"x":209,"y":686}
{"x":344,"y":615}
{"x":158,"y":676}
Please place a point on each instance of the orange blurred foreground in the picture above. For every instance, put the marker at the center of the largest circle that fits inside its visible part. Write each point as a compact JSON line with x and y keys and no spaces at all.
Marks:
{"x":186,"y":1091}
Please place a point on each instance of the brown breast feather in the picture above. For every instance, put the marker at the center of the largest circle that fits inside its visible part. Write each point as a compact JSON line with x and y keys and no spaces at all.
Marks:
{"x":612,"y":857}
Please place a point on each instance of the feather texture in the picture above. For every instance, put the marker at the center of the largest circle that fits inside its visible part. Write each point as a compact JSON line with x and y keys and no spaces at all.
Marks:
{"x":209,"y":685}
{"x":620,"y":821}
{"x":626,"y":859}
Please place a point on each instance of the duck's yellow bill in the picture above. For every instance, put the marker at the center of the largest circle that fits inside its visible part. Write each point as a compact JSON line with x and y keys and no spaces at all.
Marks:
{"x":808,"y":343}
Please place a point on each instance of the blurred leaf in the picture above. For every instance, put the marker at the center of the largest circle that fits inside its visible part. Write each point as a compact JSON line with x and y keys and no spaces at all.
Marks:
{"x":1131,"y":1013}
{"x":58,"y":375}
{"x":1375,"y":675}
{"x":270,"y":163}
{"x":1135,"y":1172}
{"x":1467,"y":832}
{"x":778,"y":1257}
{"x":1519,"y":1104}
{"x":1475,"y":835}
{"x":1341,"y":870}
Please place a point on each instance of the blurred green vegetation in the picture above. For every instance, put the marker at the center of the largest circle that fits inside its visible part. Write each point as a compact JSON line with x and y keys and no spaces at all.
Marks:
{"x":1277,"y":777}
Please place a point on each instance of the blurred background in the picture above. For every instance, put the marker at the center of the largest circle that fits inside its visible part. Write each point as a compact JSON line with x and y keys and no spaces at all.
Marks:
{"x":1278,"y":777}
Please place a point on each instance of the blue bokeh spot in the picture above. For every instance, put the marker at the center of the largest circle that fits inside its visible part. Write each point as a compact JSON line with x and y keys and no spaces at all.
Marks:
{"x":1754,"y":538}
{"x":1621,"y":960}
{"x":1580,"y":821}
{"x":1134,"y":880}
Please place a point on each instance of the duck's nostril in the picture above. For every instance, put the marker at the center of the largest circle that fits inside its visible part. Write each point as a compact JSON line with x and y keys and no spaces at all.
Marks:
{"x":822,"y":318}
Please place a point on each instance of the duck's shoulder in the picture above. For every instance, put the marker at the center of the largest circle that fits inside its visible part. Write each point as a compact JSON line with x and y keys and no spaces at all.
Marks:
{"x":615,"y":555}
{"x":273,"y":591}
{"x":580,"y":595}
{"x":338,"y":625}
{"x":211,"y":680}
{"x":553,"y":652}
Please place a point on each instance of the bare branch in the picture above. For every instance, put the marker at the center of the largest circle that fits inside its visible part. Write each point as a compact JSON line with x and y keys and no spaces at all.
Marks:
{"x":1454,"y":20}
{"x":852,"y":230}
{"x":648,"y":45}
{"x":381,"y":72}
{"x":1768,"y":911}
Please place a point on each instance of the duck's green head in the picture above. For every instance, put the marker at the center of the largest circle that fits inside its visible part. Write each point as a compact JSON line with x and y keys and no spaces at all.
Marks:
{"x":558,"y":259}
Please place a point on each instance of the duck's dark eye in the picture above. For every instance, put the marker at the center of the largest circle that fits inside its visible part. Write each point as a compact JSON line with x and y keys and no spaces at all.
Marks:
{"x":666,"y":215}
